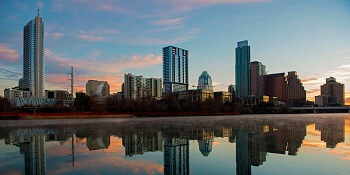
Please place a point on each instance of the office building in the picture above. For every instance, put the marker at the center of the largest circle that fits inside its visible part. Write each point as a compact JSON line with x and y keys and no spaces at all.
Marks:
{"x":222,"y":96}
{"x":97,"y":88}
{"x":15,"y":92}
{"x":153,"y":87}
{"x":175,"y":69}
{"x":334,"y":91}
{"x":195,"y":95}
{"x":242,"y":69}
{"x":276,"y":86}
{"x":204,"y":81}
{"x":62,"y":97}
{"x":33,"y":58}
{"x":136,"y":87}
{"x":257,"y":83}
{"x":296,"y":92}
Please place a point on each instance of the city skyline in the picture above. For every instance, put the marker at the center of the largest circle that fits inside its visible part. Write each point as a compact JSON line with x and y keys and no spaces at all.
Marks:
{"x":96,"y":56}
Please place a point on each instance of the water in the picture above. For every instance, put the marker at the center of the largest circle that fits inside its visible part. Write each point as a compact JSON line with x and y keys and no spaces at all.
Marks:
{"x":266,"y":144}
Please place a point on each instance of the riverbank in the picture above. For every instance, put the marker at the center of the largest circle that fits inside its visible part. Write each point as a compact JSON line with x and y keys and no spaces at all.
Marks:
{"x":42,"y":116}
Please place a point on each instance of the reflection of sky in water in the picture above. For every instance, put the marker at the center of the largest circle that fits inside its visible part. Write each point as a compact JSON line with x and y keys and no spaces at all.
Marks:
{"x":243,"y":147}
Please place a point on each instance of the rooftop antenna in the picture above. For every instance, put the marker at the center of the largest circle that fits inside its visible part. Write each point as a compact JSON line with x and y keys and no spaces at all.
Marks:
{"x":38,"y":10}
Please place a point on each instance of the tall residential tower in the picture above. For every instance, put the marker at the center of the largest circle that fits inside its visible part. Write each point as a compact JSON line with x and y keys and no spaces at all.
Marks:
{"x":242,"y":69}
{"x":33,"y":57}
{"x":175,"y":69}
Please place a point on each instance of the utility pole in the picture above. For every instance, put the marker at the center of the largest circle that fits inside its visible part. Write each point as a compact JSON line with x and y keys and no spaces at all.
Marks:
{"x":71,"y":87}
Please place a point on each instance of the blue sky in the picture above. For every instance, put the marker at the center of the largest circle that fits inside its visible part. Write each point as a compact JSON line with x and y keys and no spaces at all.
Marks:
{"x":103,"y":39}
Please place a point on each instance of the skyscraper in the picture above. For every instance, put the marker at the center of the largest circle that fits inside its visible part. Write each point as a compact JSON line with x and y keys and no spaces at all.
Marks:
{"x":257,"y":83}
{"x":33,"y":57}
{"x":204,"y":81}
{"x":242,"y":69}
{"x":334,"y":91}
{"x":296,"y":93}
{"x":175,"y":69}
{"x":276,"y":86}
{"x":136,"y":87}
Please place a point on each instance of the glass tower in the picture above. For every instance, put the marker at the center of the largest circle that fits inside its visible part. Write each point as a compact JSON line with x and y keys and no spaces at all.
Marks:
{"x":242,"y":69}
{"x":33,"y":57}
{"x":204,"y":81}
{"x":175,"y":69}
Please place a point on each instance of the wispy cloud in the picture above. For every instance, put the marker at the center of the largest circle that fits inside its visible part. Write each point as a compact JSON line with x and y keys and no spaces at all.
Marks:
{"x":91,"y":38}
{"x":8,"y":54}
{"x":184,"y":5}
{"x":54,"y":35}
{"x":173,"y":21}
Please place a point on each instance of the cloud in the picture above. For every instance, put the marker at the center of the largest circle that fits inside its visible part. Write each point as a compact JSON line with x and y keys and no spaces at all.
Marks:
{"x":173,"y":21}
{"x":41,"y":4}
{"x":54,"y":35}
{"x":184,"y":5}
{"x":90,"y":38}
{"x":8,"y":54}
{"x":165,"y":41}
{"x":94,"y":67}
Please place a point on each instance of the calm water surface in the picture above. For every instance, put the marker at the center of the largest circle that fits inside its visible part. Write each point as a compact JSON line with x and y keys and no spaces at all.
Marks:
{"x":266,"y":144}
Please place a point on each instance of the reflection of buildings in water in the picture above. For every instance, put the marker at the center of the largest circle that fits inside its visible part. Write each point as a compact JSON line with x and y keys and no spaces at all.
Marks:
{"x":176,"y":156}
{"x":205,"y":142}
{"x":140,"y":142}
{"x":257,"y":148}
{"x":285,"y":138}
{"x":243,"y":146}
{"x":34,"y":154}
{"x":102,"y":141}
{"x":205,"y":146}
{"x":332,"y":131}
{"x":32,"y":143}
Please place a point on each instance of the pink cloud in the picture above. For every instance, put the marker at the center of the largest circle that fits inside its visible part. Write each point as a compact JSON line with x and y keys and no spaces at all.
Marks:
{"x":91,"y":38}
{"x":191,"y":4}
{"x":7,"y":53}
{"x":96,"y":68}
{"x":40,"y":4}
{"x":174,"y":21}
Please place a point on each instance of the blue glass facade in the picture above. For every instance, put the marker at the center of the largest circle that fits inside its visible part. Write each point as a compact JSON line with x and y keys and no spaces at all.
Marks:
{"x":242,"y":69}
{"x":205,"y":81}
{"x":175,"y":69}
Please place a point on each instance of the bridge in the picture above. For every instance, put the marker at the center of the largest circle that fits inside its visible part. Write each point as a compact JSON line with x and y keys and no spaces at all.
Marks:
{"x":323,"y":109}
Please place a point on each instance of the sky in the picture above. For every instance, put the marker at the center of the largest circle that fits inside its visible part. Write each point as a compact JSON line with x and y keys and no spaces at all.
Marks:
{"x":105,"y":39}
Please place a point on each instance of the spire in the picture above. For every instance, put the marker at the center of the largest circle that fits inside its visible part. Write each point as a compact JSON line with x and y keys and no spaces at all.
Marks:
{"x":38,"y":10}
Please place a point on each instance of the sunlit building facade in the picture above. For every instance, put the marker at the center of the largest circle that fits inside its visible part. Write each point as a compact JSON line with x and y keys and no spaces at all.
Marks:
{"x":97,"y":88}
{"x":334,"y":91}
{"x":175,"y":69}
{"x":257,"y":81}
{"x":296,"y":92}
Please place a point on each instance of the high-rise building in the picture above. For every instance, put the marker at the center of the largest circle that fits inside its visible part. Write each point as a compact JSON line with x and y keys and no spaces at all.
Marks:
{"x":242,"y":69}
{"x":154,"y":87}
{"x":136,"y":87}
{"x":97,"y":88}
{"x":296,"y":92}
{"x":257,"y":83}
{"x":204,"y":81}
{"x":276,"y":86}
{"x":175,"y":69}
{"x":33,"y":57}
{"x":334,"y":91}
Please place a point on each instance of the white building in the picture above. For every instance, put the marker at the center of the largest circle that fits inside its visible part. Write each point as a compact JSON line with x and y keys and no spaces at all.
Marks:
{"x":136,"y":87}
{"x":16,"y":92}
